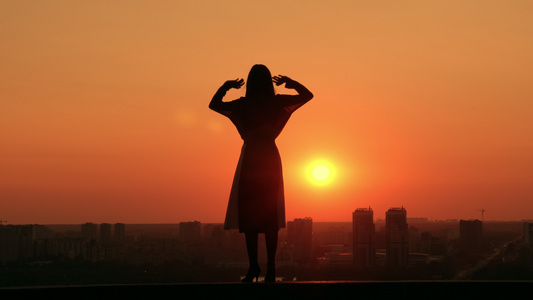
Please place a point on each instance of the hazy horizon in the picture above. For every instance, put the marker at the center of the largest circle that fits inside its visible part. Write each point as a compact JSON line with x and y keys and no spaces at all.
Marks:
{"x":416,"y":219}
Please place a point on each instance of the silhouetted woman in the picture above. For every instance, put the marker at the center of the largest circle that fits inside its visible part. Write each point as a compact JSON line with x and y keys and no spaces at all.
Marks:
{"x":257,"y":203}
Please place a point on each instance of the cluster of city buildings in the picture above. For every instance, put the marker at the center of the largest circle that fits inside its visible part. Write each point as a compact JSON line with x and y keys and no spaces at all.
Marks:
{"x":107,"y":235}
{"x":108,"y":242}
{"x":37,"y":242}
{"x":364,"y":243}
{"x":395,"y":245}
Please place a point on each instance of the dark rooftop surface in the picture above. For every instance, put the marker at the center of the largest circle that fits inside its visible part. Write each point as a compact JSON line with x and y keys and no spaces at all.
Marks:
{"x":284,"y":290}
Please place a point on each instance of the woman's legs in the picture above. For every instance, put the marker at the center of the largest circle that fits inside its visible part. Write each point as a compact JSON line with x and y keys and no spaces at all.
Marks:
{"x":271,"y":238}
{"x":251,"y":248}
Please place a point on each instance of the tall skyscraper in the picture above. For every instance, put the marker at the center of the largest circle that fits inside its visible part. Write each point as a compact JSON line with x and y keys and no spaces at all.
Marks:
{"x":105,"y":234}
{"x":397,"y":237}
{"x":89,"y":231}
{"x":364,"y":238}
{"x":300,"y":236}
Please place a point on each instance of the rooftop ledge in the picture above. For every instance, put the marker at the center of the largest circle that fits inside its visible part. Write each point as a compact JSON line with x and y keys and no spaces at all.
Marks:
{"x":284,"y":290}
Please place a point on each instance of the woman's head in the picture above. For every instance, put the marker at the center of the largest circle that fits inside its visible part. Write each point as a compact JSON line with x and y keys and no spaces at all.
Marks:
{"x":259,"y":83}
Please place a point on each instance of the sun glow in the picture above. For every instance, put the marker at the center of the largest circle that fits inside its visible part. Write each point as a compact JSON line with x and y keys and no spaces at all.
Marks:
{"x":320,"y":172}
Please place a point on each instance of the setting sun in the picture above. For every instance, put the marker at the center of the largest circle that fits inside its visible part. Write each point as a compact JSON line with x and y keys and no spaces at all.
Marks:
{"x":320,"y":172}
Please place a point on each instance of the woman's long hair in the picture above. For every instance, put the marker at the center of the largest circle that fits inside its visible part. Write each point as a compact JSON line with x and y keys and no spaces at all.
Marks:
{"x":259,"y":83}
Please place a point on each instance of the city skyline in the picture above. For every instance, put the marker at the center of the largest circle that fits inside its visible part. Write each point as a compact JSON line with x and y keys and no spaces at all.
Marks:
{"x":395,"y":243}
{"x":381,"y":216}
{"x":350,"y":220}
{"x":423,"y":104}
{"x":195,"y":252}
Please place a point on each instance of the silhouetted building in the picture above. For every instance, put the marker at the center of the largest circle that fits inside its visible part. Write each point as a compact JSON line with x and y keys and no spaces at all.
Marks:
{"x":215,"y":234}
{"x":105,"y":234}
{"x":425,"y":242}
{"x":9,"y":243}
{"x":528,"y":233}
{"x":89,"y":231}
{"x":397,"y":237}
{"x":119,"y":234}
{"x":16,"y":243}
{"x":470,"y":233}
{"x":334,"y":236}
{"x":364,"y":237}
{"x":42,"y":232}
{"x":191,"y":232}
{"x":300,"y":236}
{"x":414,"y":239}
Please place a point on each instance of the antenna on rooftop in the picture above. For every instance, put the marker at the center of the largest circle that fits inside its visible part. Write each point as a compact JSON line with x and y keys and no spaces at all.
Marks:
{"x":482,"y":210}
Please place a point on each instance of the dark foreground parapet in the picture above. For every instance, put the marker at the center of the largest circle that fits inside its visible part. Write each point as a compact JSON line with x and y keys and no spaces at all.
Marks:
{"x":284,"y":290}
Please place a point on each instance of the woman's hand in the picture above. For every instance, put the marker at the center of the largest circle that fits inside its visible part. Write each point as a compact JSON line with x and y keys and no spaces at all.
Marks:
{"x":280,"y":79}
{"x":234,"y":84}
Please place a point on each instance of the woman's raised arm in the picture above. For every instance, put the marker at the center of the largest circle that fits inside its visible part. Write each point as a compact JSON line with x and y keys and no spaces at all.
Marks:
{"x":216,"y":103}
{"x":293,"y":101}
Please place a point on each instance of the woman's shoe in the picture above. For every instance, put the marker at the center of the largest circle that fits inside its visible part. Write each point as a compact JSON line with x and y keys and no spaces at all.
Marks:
{"x":270,"y":276}
{"x":251,"y":274}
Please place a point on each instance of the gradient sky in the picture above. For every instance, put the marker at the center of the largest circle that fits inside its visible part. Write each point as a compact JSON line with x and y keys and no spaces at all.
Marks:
{"x":425,"y":104}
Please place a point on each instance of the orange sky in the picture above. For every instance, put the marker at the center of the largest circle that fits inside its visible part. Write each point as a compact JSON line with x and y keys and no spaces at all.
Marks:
{"x":425,"y":104}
